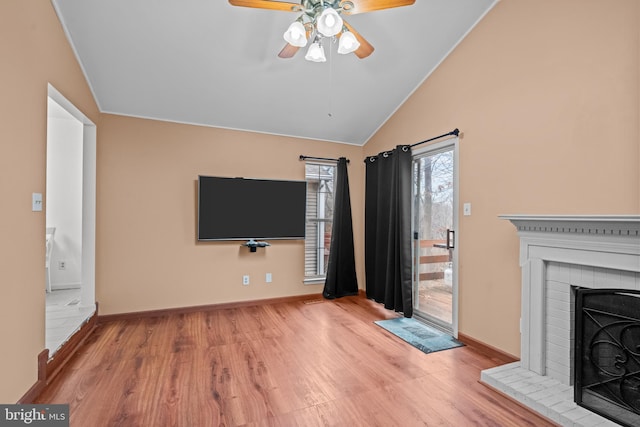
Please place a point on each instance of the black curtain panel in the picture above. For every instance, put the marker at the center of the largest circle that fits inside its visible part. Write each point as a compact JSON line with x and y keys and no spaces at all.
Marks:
{"x":388,"y":229}
{"x":341,"y":277}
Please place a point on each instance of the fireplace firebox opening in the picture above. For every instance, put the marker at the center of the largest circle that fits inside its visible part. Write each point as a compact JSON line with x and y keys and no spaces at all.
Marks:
{"x":607,"y":353}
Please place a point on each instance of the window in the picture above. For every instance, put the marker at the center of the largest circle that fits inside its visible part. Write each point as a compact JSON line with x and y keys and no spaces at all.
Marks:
{"x":320,"y":197}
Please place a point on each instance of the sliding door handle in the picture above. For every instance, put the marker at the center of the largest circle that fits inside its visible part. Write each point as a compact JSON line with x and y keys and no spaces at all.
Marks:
{"x":451,"y":239}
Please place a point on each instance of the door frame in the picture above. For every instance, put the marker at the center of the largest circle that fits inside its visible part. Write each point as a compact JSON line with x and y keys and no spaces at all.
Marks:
{"x":433,"y":149}
{"x":88,"y":274}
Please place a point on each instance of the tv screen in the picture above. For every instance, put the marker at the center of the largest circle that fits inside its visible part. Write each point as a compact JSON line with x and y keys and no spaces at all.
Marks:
{"x":244,"y":209}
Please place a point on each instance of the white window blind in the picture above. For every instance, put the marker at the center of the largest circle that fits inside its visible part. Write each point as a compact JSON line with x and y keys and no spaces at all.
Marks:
{"x":320,"y":199}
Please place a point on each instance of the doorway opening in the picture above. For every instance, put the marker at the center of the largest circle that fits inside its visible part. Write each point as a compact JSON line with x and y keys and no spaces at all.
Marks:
{"x":70,"y":220}
{"x":435,"y":205}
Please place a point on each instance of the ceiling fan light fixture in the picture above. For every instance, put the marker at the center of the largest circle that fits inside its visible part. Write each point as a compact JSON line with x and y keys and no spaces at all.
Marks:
{"x":296,"y":35}
{"x":329,"y":23}
{"x":315,"y":53}
{"x":348,"y":43}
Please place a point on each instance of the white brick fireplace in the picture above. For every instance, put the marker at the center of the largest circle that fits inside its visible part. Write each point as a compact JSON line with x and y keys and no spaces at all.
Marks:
{"x":556,"y":254}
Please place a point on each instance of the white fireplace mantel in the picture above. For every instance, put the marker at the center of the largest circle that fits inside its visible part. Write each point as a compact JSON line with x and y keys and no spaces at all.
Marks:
{"x":604,"y":241}
{"x":558,"y":253}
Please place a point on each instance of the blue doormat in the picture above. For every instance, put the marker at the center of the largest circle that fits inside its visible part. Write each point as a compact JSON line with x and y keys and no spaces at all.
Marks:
{"x":419,"y":335}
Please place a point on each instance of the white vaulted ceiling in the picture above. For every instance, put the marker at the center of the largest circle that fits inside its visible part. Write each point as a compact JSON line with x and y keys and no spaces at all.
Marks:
{"x":209,"y":63}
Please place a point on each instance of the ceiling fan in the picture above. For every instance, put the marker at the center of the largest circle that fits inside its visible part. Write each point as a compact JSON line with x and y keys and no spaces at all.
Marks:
{"x":320,"y":19}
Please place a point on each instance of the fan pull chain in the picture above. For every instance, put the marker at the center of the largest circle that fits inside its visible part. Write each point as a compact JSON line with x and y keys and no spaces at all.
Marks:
{"x":330,"y":79}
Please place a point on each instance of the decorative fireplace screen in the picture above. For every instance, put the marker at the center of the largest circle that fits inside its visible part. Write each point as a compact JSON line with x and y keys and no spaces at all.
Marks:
{"x":607,"y":353}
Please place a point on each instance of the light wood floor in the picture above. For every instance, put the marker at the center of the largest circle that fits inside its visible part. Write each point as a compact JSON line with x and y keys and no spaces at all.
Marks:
{"x":286,"y":364}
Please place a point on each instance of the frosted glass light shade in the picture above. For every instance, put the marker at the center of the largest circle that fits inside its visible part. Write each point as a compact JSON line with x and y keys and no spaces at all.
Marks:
{"x":329,"y":23}
{"x":348,"y":43}
{"x":296,"y":35}
{"x":315,"y":53}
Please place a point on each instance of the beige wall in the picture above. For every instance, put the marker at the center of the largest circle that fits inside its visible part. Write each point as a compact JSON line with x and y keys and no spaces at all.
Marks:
{"x":547,"y":96}
{"x":147,"y":255}
{"x":33,"y":52}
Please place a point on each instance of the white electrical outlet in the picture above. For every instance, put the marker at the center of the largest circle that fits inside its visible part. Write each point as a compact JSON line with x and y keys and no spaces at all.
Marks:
{"x":245,"y":280}
{"x":62,"y":265}
{"x":268,"y":278}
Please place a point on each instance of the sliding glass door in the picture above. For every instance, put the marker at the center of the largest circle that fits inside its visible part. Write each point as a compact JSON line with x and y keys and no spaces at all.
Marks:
{"x":434,"y":235}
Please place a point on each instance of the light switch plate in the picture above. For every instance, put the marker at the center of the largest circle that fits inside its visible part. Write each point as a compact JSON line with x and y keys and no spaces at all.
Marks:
{"x":466,"y":209}
{"x":36,"y":202}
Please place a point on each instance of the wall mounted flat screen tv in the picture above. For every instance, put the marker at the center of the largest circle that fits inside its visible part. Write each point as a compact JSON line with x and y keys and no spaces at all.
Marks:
{"x":244,"y":209}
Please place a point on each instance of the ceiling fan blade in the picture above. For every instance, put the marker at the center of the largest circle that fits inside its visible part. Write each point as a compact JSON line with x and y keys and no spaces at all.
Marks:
{"x":288,"y":51}
{"x":267,"y":4}
{"x":365,"y":48}
{"x":361,"y":6}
